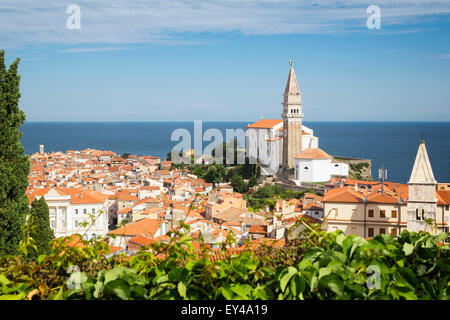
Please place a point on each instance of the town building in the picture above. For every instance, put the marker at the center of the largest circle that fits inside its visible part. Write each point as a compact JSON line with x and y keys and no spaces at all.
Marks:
{"x":278,"y":144}
{"x":315,"y":165}
{"x":70,"y":208}
{"x":388,"y":207}
{"x":422,"y":200}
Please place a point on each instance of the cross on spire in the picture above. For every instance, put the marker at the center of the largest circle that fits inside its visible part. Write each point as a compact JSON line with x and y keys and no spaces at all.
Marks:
{"x":291,"y":62}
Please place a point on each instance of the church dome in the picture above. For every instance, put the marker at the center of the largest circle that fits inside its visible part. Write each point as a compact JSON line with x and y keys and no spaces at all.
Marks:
{"x":313,"y":153}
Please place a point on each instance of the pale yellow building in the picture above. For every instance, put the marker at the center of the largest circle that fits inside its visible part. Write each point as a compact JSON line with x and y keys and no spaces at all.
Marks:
{"x":221,"y":201}
{"x":392,"y":207}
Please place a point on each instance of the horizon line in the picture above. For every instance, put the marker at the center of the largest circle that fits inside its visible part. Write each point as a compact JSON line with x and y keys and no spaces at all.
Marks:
{"x":185,"y":121}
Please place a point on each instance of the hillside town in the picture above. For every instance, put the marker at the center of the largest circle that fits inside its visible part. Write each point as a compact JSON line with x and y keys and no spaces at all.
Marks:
{"x":136,"y":200}
{"x":141,"y":199}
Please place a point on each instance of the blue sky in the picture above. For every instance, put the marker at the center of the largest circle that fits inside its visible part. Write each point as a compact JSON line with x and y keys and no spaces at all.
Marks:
{"x":186,"y":60}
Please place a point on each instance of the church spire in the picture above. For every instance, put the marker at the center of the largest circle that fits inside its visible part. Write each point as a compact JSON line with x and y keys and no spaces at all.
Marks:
{"x":292,"y":120}
{"x":292,"y":84}
{"x":422,"y":172}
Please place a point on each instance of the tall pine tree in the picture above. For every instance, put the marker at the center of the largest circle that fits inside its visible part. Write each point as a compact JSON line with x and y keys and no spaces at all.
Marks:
{"x":42,"y":234}
{"x":14,"y":165}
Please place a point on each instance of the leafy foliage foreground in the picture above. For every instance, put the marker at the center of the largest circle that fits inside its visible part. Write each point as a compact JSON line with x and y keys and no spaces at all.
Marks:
{"x":317,"y":266}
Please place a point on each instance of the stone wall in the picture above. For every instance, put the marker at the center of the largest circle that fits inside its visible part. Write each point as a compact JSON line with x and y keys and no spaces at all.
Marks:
{"x":365,"y":171}
{"x":320,"y":190}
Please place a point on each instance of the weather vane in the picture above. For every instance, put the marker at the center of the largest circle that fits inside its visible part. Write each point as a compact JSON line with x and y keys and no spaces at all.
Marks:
{"x":422,"y":136}
{"x":291,"y":62}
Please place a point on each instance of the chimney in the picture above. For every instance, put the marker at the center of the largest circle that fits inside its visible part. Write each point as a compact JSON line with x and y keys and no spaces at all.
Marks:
{"x":164,"y":227}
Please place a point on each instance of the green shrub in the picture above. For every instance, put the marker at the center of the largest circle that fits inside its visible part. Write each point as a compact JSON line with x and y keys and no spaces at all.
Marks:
{"x":318,"y":265}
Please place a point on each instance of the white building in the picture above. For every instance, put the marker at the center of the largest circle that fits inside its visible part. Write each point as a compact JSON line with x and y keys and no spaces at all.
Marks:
{"x":315,"y":165}
{"x":265,"y":137}
{"x":69,"y":208}
{"x":265,"y":143}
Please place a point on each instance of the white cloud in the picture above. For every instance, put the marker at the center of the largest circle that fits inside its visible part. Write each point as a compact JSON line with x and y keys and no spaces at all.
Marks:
{"x":32,"y":22}
{"x":442,"y":56}
{"x":97,"y":49}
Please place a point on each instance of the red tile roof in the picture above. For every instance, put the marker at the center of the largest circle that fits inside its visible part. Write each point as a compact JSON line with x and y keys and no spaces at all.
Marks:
{"x":265,"y":123}
{"x":142,"y":227}
{"x":313,"y":153}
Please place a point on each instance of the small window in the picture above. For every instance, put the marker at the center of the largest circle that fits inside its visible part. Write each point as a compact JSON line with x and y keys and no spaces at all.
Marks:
{"x":76,"y":223}
{"x":394,"y":214}
{"x":93,"y":210}
{"x":53,"y":224}
{"x":446,"y":207}
{"x":417,"y":214}
{"x":306,"y":168}
{"x":370,"y":232}
{"x":382,"y":230}
{"x":394,"y":232}
{"x":76,"y":211}
{"x":370,"y":213}
{"x":382,"y":213}
{"x":84,"y":211}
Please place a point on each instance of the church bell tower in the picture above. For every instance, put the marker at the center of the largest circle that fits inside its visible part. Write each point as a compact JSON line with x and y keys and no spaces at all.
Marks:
{"x":292,"y":120}
{"x":422,"y":202}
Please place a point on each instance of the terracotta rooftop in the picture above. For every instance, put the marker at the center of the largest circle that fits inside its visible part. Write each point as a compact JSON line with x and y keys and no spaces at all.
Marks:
{"x":142,"y":227}
{"x":313,"y":153}
{"x":265,"y":123}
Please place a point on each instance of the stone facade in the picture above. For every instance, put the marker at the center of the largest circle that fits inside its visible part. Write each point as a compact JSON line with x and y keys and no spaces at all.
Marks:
{"x":365,"y":166}
{"x":422,"y":201}
{"x":292,"y":121}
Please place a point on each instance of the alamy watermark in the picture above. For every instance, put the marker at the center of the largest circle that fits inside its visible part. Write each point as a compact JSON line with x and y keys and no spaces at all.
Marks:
{"x":235,"y":151}
{"x":74,"y":20}
{"x":374,"y":281}
{"x":75,"y":279}
{"x":374,"y":20}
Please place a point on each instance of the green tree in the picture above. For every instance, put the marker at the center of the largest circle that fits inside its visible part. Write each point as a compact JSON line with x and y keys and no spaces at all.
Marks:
{"x":14,"y":165}
{"x":210,"y":175}
{"x":221,"y":172}
{"x":239,"y":184}
{"x":199,"y":172}
{"x":252,"y":182}
{"x":42,"y":234}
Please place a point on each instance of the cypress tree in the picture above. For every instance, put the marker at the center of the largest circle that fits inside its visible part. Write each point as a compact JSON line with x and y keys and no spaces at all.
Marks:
{"x":14,"y":165}
{"x":42,"y":234}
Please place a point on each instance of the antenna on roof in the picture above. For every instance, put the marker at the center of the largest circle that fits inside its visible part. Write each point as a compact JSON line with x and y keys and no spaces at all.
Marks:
{"x":382,"y":175}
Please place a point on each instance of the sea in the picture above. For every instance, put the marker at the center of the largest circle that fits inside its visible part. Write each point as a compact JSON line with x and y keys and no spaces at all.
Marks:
{"x":389,"y":145}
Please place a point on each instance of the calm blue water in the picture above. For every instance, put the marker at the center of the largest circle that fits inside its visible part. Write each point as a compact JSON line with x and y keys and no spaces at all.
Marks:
{"x":389,"y":144}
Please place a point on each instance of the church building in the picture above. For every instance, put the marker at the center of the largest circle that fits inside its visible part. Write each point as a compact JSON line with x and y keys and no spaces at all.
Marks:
{"x":277,"y":143}
{"x":422,"y":201}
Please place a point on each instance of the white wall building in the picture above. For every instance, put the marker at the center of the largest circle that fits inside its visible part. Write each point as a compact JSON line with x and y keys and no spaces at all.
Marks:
{"x":315,"y":165}
{"x":69,"y":208}
{"x":265,"y":143}
{"x":265,"y":137}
